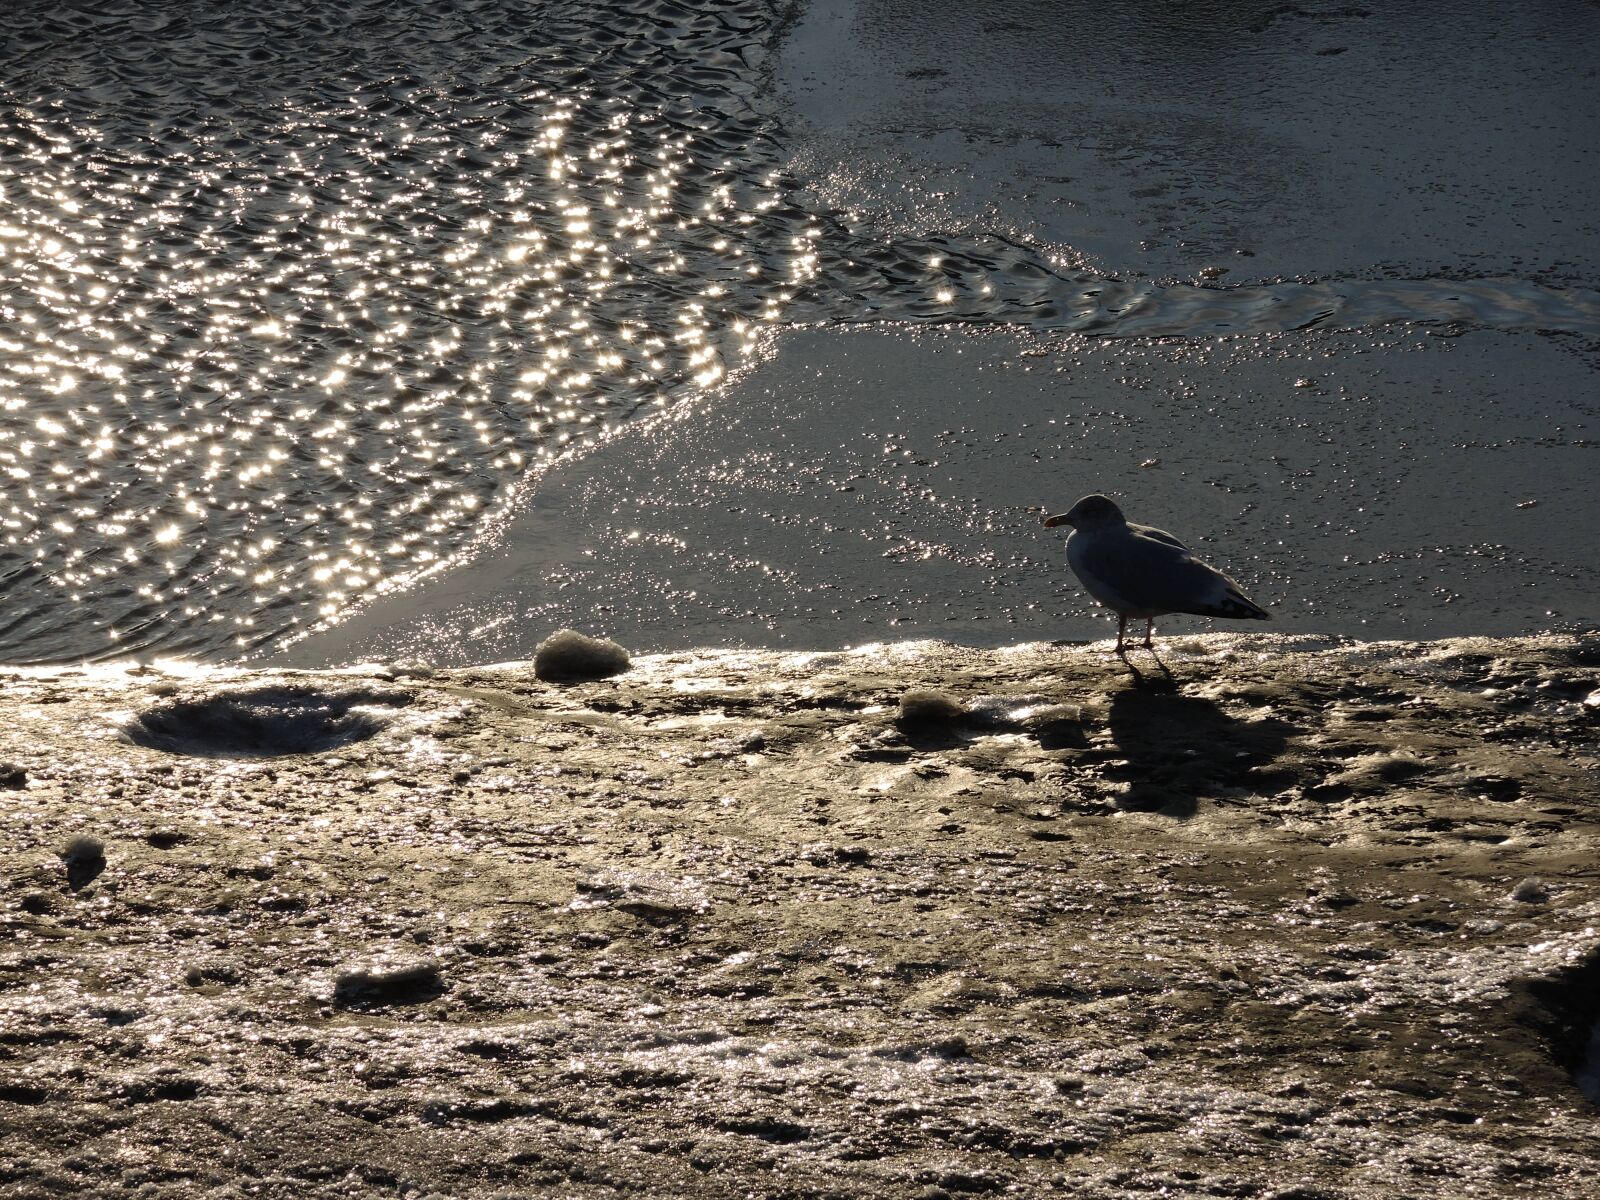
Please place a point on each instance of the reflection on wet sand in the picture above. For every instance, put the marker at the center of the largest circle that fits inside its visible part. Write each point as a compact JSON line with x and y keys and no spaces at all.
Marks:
{"x":710,"y":927}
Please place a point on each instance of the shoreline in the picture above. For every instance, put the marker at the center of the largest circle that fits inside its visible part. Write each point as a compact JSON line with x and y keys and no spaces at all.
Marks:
{"x":862,"y":484}
{"x":1309,"y":922}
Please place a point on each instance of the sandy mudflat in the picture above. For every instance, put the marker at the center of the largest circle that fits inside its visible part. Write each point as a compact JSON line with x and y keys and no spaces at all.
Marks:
{"x":718,"y":927}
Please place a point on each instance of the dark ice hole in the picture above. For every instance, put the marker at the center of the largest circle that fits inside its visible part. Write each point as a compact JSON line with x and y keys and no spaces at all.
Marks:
{"x":262,"y":724}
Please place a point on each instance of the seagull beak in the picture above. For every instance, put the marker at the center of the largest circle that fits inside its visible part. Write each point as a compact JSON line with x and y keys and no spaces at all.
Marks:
{"x":1058,"y":519}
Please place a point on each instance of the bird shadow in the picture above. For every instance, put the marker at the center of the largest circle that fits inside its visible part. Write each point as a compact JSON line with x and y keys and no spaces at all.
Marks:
{"x":1177,"y":749}
{"x":1167,"y":682}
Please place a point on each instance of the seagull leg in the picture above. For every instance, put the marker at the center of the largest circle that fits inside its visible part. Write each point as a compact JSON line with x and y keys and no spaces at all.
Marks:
{"x":1122,"y":650}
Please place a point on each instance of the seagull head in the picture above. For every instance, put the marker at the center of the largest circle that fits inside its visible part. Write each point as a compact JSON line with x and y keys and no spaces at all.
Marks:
{"x":1092,"y":512}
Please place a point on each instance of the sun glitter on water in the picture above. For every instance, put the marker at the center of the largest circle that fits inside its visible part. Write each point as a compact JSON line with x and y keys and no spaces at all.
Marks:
{"x":268,"y":355}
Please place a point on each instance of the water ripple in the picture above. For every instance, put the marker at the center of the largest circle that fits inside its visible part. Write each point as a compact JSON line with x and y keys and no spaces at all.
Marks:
{"x":283,"y":322}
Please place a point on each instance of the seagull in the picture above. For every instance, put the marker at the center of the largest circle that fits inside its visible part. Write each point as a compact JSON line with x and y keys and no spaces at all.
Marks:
{"x":1137,"y":571}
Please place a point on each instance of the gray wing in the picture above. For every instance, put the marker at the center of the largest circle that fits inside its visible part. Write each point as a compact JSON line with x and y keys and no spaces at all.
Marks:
{"x":1160,"y":535}
{"x":1153,"y":570}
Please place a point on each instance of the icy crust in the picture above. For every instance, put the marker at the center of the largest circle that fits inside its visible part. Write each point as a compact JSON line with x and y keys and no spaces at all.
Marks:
{"x":757,"y":924}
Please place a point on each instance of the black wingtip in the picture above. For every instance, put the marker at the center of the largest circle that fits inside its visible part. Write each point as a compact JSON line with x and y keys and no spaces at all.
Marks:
{"x":1241,"y":609}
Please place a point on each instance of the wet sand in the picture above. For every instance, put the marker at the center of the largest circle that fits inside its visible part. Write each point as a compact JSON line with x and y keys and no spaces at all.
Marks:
{"x":1270,"y":141}
{"x":1309,"y":923}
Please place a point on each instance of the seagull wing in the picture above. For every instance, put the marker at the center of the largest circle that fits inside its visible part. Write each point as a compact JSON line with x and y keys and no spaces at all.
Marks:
{"x":1151,"y":571}
{"x":1159,"y":535}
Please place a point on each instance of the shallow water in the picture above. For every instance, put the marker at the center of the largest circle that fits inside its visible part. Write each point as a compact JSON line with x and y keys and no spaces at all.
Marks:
{"x":886,"y":482}
{"x":296,"y":305}
{"x":293,"y":301}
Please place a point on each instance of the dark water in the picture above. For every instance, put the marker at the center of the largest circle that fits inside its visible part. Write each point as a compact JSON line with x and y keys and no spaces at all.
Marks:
{"x":292,"y":304}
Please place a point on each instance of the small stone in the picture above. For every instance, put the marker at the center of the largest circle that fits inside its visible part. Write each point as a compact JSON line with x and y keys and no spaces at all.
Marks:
{"x":394,"y":981}
{"x":970,"y":1181}
{"x":1531,"y":890}
{"x":85,"y":858}
{"x":705,"y":1156}
{"x":922,"y":708}
{"x":12,"y":777}
{"x":568,"y":656}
